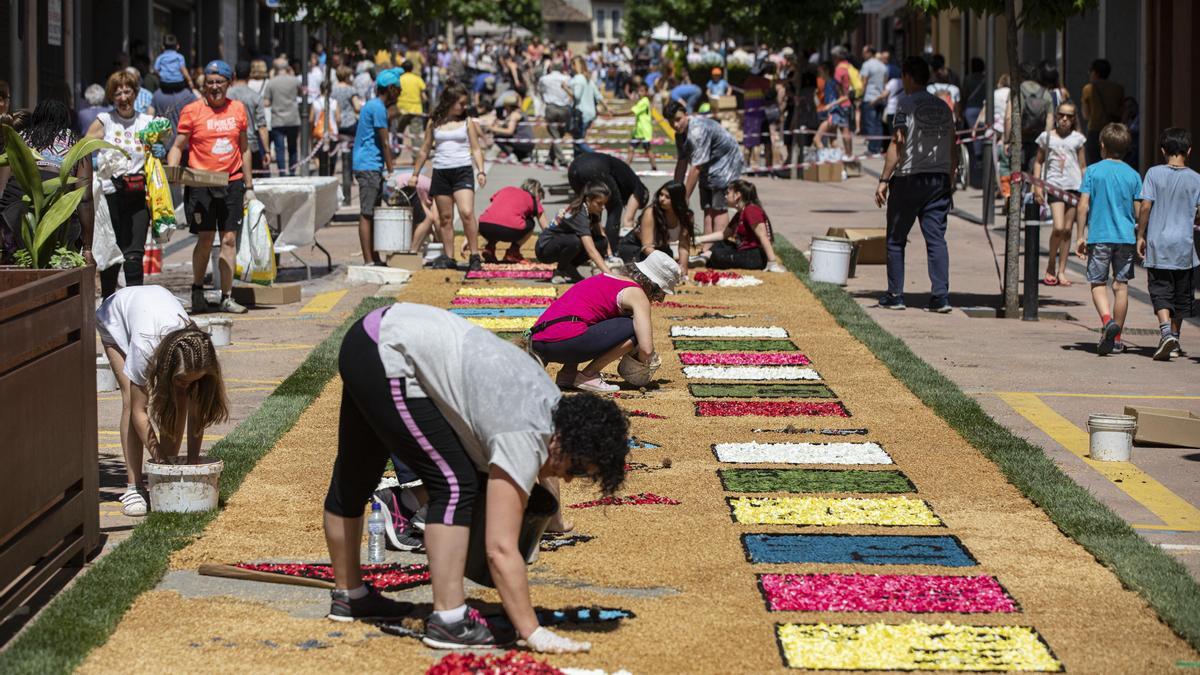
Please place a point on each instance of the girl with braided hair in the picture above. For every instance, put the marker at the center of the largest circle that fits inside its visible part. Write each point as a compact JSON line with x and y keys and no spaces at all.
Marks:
{"x":169,"y":376}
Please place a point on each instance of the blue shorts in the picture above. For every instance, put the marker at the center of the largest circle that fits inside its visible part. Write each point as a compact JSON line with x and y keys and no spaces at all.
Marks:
{"x":1120,"y":257}
{"x":837,"y":117}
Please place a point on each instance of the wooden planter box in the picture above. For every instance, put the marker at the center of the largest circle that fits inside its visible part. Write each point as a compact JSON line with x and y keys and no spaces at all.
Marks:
{"x":49,"y":511}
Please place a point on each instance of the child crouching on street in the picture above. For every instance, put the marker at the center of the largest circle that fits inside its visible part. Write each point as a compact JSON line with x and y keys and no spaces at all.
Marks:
{"x":169,"y":376}
{"x":1106,"y":220}
{"x":1170,"y":195}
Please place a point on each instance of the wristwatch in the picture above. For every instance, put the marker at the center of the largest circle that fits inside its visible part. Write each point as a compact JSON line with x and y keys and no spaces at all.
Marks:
{"x":884,"y":180}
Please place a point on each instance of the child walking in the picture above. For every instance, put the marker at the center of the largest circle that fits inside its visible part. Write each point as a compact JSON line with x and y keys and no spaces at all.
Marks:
{"x":1106,"y":220}
{"x":1061,"y":161}
{"x":1170,"y":195}
{"x":169,"y":376}
{"x":643,"y":128}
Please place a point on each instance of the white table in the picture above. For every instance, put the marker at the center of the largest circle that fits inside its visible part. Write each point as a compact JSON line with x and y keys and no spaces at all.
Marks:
{"x":300,"y":205}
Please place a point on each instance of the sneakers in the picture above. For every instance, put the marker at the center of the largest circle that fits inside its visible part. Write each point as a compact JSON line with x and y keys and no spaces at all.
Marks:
{"x":1167,"y":345}
{"x":372,"y":606}
{"x":561,"y":278}
{"x":443,"y":262}
{"x":466,"y":634}
{"x":942,"y":307}
{"x":133,"y":503}
{"x":396,"y":526}
{"x":199,"y":302}
{"x":697,"y":261}
{"x":1108,"y":338}
{"x":596,"y":385}
{"x":489,"y":255}
{"x":1118,"y":347}
{"x":890,"y":301}
{"x":418,"y":519}
{"x":514,"y":258}
{"x":231,"y":306}
{"x":775,"y":267}
{"x":475,"y":263}
{"x":1178,"y":353}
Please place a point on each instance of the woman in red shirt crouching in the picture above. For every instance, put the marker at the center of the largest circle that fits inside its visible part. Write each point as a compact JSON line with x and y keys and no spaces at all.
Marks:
{"x":510,"y":218}
{"x":749,"y":230}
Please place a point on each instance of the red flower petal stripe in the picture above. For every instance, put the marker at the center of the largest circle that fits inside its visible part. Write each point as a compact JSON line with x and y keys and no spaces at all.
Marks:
{"x":510,"y":274}
{"x":508,"y":663}
{"x":632,"y":500}
{"x":386,"y":577}
{"x":708,"y":277}
{"x":744,"y":359}
{"x":916,"y":593}
{"x":504,"y":301}
{"x":643,"y":413}
{"x":770,"y":409}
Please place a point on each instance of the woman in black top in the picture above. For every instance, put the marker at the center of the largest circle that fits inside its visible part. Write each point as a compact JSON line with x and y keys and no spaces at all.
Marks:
{"x":628,"y":192}
{"x":570,"y":241}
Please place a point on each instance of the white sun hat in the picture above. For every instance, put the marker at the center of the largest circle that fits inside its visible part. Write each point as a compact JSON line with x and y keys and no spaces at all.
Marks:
{"x":661,"y":269}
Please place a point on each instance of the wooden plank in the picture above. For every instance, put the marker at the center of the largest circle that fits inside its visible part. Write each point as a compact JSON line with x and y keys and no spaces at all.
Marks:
{"x":63,"y":521}
{"x":39,"y":576}
{"x":36,"y":332}
{"x":19,"y":294}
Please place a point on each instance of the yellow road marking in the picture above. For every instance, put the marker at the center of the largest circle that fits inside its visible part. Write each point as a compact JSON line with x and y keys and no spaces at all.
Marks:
{"x":277,"y":347}
{"x":1175,"y":512}
{"x":1068,"y":395}
{"x":323,"y":302}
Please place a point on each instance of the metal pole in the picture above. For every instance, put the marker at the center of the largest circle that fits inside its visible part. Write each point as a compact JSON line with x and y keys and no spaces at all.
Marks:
{"x":1029,"y":311}
{"x":989,"y":144}
{"x":305,"y":127}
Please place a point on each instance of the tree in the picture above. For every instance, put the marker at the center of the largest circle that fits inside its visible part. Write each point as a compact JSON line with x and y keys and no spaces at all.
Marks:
{"x":372,"y":21}
{"x":1036,"y":15}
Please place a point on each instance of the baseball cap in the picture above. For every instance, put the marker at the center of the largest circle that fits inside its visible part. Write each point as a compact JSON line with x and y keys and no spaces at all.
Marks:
{"x":388,"y":78}
{"x":661,"y":269}
{"x":219,"y":67}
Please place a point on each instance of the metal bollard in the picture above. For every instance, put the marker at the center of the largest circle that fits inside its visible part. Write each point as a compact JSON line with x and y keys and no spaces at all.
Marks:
{"x":1029,"y":312}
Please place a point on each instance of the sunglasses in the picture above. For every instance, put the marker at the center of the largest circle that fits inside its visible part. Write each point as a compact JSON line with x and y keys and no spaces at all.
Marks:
{"x":1065,"y":115}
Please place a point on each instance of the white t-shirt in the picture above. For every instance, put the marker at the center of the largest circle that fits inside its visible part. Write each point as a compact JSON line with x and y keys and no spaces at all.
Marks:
{"x":937,"y":87}
{"x":135,"y":320}
{"x":1061,"y":168}
{"x":122,"y":132}
{"x":1001,"y":104}
{"x":497,"y":398}
{"x":894,"y":89}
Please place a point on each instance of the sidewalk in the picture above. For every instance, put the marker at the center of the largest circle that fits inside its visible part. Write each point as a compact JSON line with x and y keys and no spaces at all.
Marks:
{"x":1040,"y":379}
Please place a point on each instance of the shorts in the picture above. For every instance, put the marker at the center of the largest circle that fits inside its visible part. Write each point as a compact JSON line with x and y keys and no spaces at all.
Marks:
{"x":713,"y":198}
{"x":446,"y":182}
{"x":215,"y":209}
{"x":1101,"y":257}
{"x":370,"y":191}
{"x":640,"y":144}
{"x":838,"y":118}
{"x":378,"y":420}
{"x":1052,"y":198}
{"x":1172,"y":290}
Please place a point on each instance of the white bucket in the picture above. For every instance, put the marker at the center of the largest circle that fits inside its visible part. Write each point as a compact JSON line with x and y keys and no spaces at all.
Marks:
{"x":1111,"y":437}
{"x":434,"y":251}
{"x":393,"y":229}
{"x":830,"y":261}
{"x":106,"y":379}
{"x":219,"y":328}
{"x":179,"y":487}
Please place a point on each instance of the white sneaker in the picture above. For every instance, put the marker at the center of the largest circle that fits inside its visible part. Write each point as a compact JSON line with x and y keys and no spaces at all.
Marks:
{"x":133,"y":503}
{"x":697,"y":261}
{"x":231,"y":306}
{"x":775,"y":267}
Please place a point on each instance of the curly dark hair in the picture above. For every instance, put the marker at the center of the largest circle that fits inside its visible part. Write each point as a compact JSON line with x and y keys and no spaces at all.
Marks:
{"x":594,"y":436}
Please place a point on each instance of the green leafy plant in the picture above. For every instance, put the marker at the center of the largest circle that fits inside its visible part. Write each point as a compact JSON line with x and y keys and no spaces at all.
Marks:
{"x":51,"y":201}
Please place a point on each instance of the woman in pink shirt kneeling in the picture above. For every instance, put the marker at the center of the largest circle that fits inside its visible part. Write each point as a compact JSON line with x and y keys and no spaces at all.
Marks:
{"x":601,"y":319}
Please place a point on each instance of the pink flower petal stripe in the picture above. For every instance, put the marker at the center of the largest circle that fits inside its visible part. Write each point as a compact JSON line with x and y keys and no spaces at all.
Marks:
{"x":510,"y":274}
{"x":770,"y":409}
{"x":744,"y":359}
{"x":915,"y":593}
{"x":504,"y":301}
{"x":631,"y":500}
{"x":527,"y":265}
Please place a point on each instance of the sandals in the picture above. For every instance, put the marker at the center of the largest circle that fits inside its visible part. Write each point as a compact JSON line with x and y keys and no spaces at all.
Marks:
{"x":1049,"y":280}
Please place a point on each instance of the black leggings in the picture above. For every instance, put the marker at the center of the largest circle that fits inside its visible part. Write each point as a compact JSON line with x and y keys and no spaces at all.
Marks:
{"x":378,"y":419}
{"x":563,"y":248}
{"x":727,"y":256}
{"x":630,"y":248}
{"x":130,"y":222}
{"x":493,"y":233}
{"x":596,"y":341}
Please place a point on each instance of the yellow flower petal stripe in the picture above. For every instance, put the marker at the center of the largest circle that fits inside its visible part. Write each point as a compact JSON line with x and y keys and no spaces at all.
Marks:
{"x":831,"y":511}
{"x":507,"y":292}
{"x":914,"y":646}
{"x":503,"y":323}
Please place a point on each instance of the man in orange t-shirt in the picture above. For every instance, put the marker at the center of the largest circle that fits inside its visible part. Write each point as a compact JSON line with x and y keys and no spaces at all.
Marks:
{"x":213,"y":130}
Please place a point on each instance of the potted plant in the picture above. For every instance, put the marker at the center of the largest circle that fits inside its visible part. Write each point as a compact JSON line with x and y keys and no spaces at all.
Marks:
{"x":49,"y":512}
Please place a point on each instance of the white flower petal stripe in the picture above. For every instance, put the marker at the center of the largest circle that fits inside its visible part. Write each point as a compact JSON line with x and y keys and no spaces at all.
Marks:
{"x":801,"y":453}
{"x":739,"y":283}
{"x":728,"y":331}
{"x":749,"y":373}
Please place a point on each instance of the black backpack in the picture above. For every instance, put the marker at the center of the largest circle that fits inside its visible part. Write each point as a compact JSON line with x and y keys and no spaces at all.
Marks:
{"x":1035,"y":103}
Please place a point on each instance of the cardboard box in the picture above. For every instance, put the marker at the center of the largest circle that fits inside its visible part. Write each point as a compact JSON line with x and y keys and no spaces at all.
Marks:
{"x":723,"y":102}
{"x":827,"y":172}
{"x":196,"y":177}
{"x":870,"y":243}
{"x":853,"y":168}
{"x":275,"y":294}
{"x":1165,"y":426}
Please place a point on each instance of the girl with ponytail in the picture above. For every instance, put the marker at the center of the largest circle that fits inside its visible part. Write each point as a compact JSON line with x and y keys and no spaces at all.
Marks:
{"x":170,"y":380}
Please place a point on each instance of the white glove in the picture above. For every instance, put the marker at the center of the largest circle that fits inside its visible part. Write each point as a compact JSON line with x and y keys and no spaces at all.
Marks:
{"x":248,"y":196}
{"x":546,"y":641}
{"x":775,"y":267}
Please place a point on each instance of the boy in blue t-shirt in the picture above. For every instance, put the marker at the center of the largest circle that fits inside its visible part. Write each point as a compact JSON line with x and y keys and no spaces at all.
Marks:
{"x":1106,"y":220}
{"x":1166,"y":239}
{"x":172,"y":67}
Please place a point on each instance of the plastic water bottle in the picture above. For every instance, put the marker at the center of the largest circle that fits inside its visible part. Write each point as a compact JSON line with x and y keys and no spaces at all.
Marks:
{"x":375,"y":545}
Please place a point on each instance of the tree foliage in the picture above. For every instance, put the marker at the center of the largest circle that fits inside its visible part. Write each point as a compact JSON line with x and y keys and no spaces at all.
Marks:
{"x":372,"y":21}
{"x":796,"y":23}
{"x":1034,"y":15}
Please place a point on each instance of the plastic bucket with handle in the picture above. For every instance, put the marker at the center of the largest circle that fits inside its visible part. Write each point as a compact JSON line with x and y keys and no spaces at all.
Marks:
{"x":830,"y":261}
{"x":540,"y":508}
{"x":1111,"y":437}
